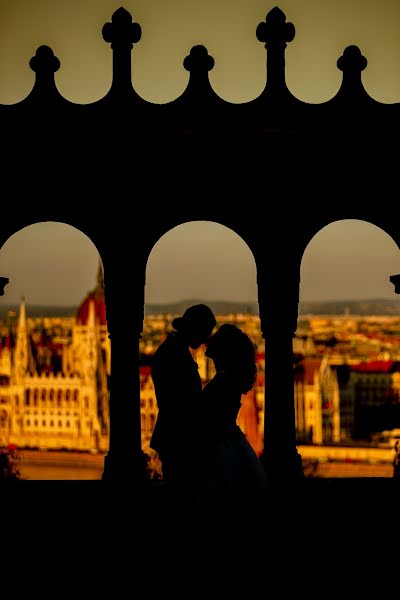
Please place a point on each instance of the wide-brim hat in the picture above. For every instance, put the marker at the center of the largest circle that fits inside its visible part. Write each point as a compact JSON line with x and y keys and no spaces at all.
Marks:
{"x":198,"y":317}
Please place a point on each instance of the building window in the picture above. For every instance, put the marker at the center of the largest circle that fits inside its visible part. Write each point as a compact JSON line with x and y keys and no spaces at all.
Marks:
{"x":152,"y":422}
{"x":43,"y":395}
{"x":51,"y":423}
{"x":27,"y":397}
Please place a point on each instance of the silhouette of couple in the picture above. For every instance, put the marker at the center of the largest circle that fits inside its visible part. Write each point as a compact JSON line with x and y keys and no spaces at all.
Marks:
{"x":208,"y":465}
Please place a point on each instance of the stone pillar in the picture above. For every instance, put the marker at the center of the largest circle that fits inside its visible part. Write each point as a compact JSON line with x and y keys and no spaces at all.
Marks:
{"x":125,"y":461}
{"x":278,"y":301}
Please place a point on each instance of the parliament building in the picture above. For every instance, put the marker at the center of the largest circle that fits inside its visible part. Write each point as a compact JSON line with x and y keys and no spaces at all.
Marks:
{"x":54,"y":391}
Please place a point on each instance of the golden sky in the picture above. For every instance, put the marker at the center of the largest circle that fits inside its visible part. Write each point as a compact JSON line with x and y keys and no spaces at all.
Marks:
{"x":227,"y":27}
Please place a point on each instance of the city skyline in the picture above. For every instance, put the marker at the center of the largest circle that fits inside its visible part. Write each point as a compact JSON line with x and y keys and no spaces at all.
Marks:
{"x":333,"y":268}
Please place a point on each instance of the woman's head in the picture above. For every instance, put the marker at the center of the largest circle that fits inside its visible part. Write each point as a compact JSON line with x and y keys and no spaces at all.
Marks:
{"x":196,"y":324}
{"x":233,"y":351}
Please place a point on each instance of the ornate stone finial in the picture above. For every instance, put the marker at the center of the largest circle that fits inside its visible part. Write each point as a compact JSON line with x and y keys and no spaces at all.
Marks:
{"x":395,"y":279}
{"x":352,"y":61}
{"x":122,"y":32}
{"x":44,"y":63}
{"x":198,"y":61}
{"x":275,"y":33}
{"x":3,"y":282}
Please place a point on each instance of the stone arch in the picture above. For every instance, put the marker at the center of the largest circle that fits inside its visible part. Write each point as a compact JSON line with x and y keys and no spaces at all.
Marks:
{"x":53,"y":229}
{"x":345,"y":273}
{"x":349,"y":233}
{"x":53,"y":345}
{"x":214,"y":228}
{"x":207,"y":262}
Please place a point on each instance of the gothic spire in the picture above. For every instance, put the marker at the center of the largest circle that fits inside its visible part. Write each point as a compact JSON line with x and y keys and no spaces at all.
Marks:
{"x":100,"y":277}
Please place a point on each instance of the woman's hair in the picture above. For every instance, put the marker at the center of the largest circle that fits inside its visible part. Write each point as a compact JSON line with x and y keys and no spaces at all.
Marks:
{"x":235,"y":352}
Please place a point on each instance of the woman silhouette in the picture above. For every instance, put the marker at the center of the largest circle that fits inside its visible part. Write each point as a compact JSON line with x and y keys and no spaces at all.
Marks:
{"x":233,"y":476}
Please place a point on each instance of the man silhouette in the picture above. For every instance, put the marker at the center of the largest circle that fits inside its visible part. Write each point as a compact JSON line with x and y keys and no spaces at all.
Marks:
{"x":178,"y":389}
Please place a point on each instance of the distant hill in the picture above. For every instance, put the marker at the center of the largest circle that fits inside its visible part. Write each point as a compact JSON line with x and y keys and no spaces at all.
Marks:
{"x":352,"y":307}
{"x":220,"y":307}
{"x":336,"y":307}
{"x":39,"y":310}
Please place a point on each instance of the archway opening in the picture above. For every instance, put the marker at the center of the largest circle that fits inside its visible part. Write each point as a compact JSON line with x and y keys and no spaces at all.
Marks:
{"x":54,"y":353}
{"x":200,"y":262}
{"x":347,"y":351}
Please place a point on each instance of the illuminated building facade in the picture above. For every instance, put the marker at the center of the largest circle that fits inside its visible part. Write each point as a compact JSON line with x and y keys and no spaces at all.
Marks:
{"x":317,"y":402}
{"x":54,"y":395}
{"x":375,"y":386}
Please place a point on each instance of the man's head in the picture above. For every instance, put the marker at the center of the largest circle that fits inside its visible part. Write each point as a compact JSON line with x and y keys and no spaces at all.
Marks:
{"x":196,"y":324}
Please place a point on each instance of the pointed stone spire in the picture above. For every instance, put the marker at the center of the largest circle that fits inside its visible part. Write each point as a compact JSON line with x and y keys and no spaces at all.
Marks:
{"x":21,"y":344}
{"x":90,"y":351}
{"x":100,"y":277}
{"x":22,"y":315}
{"x":91,"y":321}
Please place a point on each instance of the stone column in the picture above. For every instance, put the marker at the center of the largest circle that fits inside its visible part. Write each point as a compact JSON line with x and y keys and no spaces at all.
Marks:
{"x":125,"y":460}
{"x":278,"y":301}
